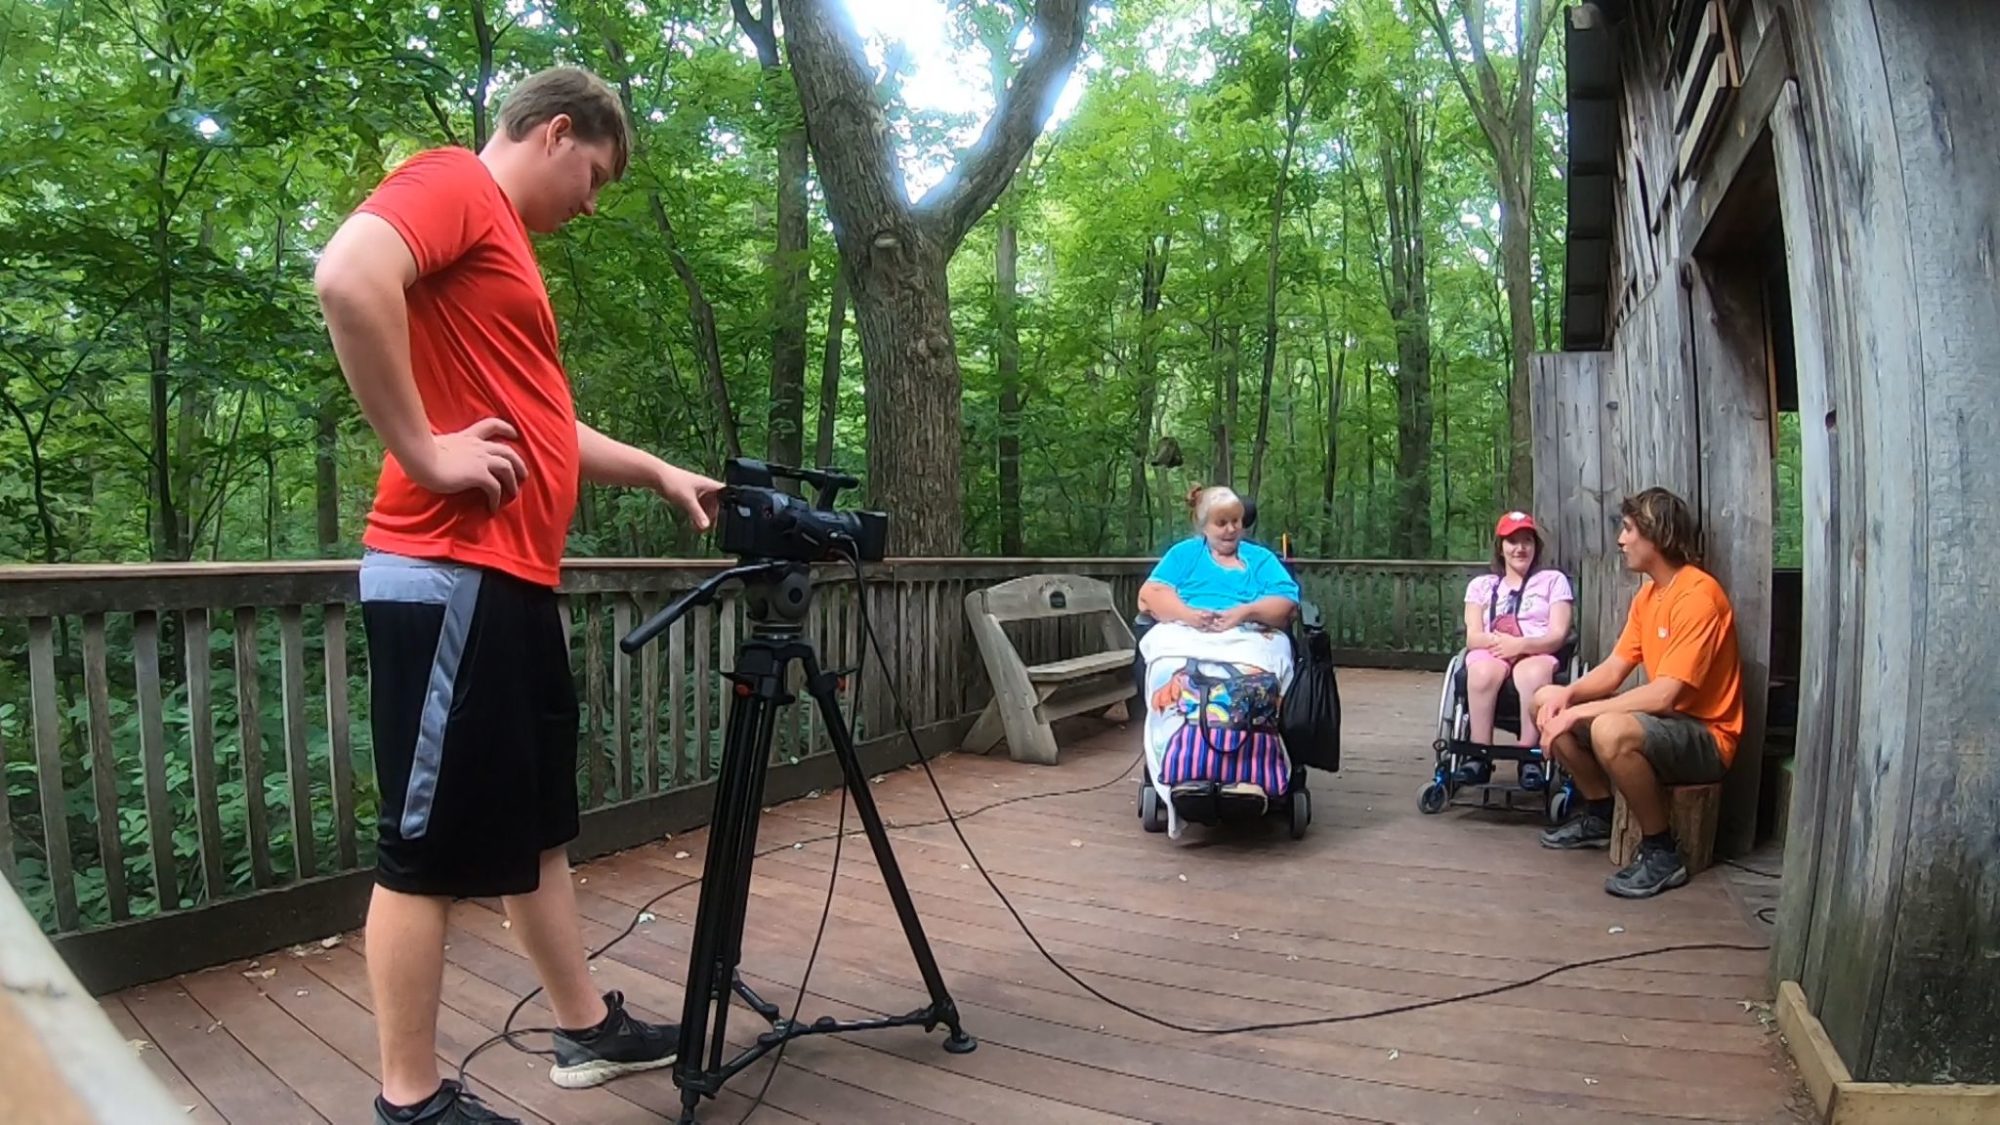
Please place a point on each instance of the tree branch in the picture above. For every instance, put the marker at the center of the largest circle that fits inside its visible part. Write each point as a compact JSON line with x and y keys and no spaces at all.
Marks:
{"x":983,"y":172}
{"x":759,"y":29}
{"x":1487,"y":115}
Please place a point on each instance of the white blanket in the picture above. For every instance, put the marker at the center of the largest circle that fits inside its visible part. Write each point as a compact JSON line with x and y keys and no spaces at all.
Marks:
{"x":1166,"y":649}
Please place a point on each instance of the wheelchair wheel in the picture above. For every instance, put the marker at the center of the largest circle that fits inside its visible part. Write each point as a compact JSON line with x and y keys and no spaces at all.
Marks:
{"x":1301,"y":813}
{"x":1152,"y":813}
{"x":1559,"y":803}
{"x":1433,"y":798}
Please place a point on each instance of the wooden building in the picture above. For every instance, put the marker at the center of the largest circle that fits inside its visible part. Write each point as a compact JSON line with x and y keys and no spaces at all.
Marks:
{"x":1794,"y":206}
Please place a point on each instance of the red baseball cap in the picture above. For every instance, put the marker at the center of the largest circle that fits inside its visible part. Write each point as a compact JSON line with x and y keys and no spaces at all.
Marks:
{"x":1513,"y":522}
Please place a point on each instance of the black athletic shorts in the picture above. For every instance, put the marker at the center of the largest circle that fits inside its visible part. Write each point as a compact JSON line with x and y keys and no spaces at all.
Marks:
{"x":474,"y":714}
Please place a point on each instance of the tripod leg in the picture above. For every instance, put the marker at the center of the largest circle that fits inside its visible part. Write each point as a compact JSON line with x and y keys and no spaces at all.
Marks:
{"x":943,"y":1008}
{"x":717,"y":942}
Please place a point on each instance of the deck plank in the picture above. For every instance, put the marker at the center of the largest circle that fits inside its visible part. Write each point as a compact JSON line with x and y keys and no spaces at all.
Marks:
{"x":1378,"y":906}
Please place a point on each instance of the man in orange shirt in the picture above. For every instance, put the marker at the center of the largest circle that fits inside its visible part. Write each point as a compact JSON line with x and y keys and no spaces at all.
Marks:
{"x":438,"y":314}
{"x":1680,"y":728}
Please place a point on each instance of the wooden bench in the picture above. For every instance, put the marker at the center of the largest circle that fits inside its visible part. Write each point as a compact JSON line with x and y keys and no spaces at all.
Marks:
{"x":1692,"y":811}
{"x":1028,"y":698}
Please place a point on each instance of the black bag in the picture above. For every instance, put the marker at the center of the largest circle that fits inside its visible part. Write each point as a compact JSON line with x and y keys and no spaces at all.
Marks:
{"x":1309,"y":716}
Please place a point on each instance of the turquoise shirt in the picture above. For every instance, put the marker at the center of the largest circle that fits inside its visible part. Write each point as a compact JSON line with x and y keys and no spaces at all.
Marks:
{"x":1203,"y":583}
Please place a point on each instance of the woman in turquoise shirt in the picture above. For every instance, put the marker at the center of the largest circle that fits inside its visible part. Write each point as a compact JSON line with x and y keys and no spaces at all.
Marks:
{"x":1220,"y":603}
{"x":1216,"y":581}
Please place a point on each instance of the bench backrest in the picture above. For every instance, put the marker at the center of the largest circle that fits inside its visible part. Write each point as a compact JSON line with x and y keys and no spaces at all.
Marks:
{"x":1044,"y":596}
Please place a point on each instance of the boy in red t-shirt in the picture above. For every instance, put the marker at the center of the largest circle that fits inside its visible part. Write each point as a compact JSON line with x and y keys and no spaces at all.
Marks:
{"x":438,"y":315}
{"x":1680,"y":728}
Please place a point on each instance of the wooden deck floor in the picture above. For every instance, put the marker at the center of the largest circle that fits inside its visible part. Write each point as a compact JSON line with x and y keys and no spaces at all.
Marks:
{"x":1378,"y":906}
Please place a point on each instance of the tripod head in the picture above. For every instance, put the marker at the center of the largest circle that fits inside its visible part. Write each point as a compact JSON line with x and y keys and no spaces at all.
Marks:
{"x":776,"y":537}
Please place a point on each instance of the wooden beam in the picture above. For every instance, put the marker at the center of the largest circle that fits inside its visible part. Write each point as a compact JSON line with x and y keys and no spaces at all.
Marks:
{"x":1708,"y":115}
{"x":1763,"y":81}
{"x":1820,"y":1067}
{"x":1885,"y":1103}
{"x":1829,"y":644}
{"x":1840,"y":1100}
{"x":1695,"y":76}
{"x":1931,"y":244}
{"x":1733,"y":419}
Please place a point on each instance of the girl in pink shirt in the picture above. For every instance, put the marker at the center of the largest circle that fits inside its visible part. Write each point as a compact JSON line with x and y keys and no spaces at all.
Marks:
{"x":1516,"y":619}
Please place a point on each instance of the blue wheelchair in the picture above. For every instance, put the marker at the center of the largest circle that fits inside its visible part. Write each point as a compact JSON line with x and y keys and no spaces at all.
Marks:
{"x":1464,"y":767}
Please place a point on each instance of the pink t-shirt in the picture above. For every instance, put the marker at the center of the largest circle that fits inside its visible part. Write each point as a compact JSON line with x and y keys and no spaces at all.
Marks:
{"x":1538,"y":595}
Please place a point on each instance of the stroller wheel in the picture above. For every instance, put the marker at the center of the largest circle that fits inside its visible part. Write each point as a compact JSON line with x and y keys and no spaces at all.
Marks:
{"x":1152,"y":814}
{"x":1432,"y":799}
{"x":1302,"y":813}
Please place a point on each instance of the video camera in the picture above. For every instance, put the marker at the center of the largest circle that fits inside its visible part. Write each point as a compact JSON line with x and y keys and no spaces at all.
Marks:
{"x":760,"y":521}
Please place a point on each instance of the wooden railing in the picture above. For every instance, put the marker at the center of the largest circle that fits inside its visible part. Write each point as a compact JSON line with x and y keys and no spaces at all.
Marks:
{"x":187,"y":746}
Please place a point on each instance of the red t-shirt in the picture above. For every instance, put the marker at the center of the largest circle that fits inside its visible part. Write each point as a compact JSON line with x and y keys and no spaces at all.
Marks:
{"x":483,"y":345}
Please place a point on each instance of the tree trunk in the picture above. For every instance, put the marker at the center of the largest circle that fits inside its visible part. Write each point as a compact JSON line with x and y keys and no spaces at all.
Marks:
{"x":1152,"y":277}
{"x":326,"y":474}
{"x":1293,"y":110}
{"x":896,"y":253}
{"x":190,"y":489}
{"x":1444,"y":444}
{"x":484,"y":36}
{"x":902,"y":308}
{"x":785,"y":428}
{"x":167,"y":542}
{"x":1506,"y":117}
{"x":1516,"y":246}
{"x":1233,"y":377}
{"x":1336,"y":365}
{"x":829,"y":371}
{"x":1401,"y":152}
{"x":702,"y":316}
{"x":1006,"y":259}
{"x":786,"y":436}
{"x":274,"y":507}
{"x":1368,"y":441}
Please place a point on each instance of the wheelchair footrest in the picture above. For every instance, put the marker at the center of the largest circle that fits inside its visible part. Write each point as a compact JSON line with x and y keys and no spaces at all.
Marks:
{"x":1205,"y":803}
{"x":1494,"y":753}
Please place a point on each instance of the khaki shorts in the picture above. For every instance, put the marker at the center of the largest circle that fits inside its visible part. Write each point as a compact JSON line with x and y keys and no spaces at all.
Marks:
{"x":1683,"y":750}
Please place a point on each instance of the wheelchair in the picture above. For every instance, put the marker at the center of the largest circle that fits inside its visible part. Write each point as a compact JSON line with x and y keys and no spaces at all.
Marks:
{"x":1309,"y":642}
{"x":1464,"y":767}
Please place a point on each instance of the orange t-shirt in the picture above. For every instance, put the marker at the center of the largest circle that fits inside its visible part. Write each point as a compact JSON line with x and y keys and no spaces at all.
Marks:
{"x":482,"y":344}
{"x":1688,"y":631}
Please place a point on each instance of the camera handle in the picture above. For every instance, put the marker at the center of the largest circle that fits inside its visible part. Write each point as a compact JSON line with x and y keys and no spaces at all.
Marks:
{"x":762,"y":665}
{"x":703,"y":594}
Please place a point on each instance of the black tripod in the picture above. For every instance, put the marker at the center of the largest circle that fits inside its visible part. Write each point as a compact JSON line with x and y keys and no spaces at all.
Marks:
{"x":777,"y":595}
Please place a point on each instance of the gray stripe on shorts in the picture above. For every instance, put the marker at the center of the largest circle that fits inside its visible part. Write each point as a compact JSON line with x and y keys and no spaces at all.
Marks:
{"x":394,"y":578}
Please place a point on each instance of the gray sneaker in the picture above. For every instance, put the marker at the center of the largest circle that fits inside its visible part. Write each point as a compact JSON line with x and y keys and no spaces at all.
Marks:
{"x":1652,"y":871}
{"x":1585,"y":830}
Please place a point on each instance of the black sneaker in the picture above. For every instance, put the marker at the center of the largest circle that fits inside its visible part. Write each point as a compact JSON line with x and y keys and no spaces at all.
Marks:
{"x":1585,"y":830}
{"x":1652,"y":871}
{"x":453,"y":1104}
{"x":619,"y":1045}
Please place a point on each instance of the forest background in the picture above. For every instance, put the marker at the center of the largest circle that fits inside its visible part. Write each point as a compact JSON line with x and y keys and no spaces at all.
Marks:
{"x":1258,"y":243}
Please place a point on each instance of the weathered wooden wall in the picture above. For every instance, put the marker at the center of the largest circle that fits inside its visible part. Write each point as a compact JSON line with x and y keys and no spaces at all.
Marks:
{"x":1886,"y":157}
{"x":1872,"y":127}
